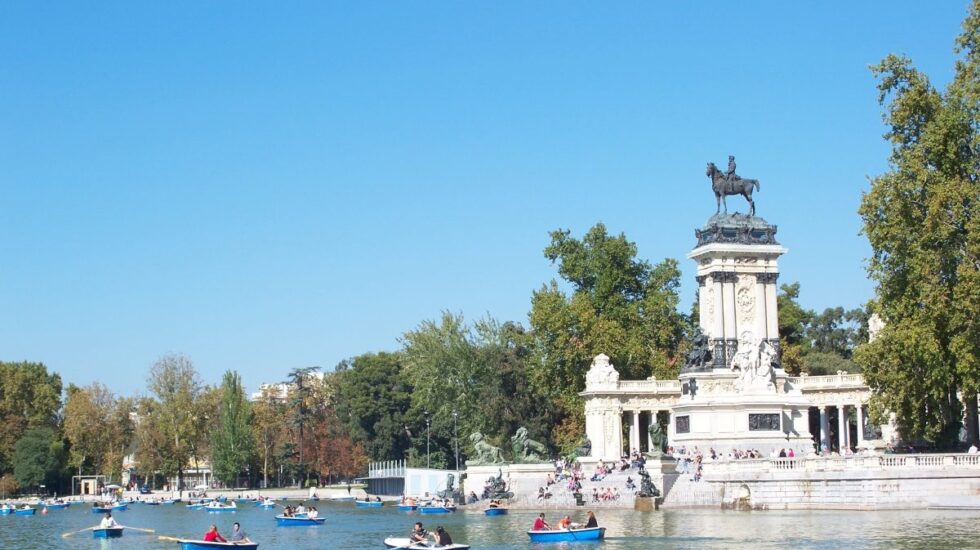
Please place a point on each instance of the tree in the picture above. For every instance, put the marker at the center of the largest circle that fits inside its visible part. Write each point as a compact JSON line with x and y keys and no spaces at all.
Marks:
{"x":99,"y":427}
{"x":620,"y":306}
{"x":267,"y":427}
{"x":372,"y":398}
{"x":299,"y":403}
{"x":232,"y":438}
{"x":921,"y":220}
{"x":792,"y":324}
{"x":38,"y":457}
{"x":173,"y":416}
{"x":30,"y":397}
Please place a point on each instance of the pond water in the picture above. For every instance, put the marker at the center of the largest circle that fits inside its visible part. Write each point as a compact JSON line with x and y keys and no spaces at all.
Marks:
{"x":350,"y":527}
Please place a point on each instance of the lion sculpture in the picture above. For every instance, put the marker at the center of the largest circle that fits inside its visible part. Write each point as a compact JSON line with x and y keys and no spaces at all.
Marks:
{"x":485,"y":452}
{"x":527,"y":450}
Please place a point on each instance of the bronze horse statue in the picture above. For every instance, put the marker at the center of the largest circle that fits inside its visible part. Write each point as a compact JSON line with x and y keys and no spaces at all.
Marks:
{"x":722,"y":187}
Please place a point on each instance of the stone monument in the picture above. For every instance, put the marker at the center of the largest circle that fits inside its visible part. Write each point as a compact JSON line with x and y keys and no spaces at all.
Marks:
{"x":734,"y":392}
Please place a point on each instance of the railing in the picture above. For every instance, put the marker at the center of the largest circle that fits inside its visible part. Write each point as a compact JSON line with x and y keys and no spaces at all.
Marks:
{"x":656,"y":386}
{"x":830,"y":381}
{"x":387,"y":468}
{"x":813,"y":464}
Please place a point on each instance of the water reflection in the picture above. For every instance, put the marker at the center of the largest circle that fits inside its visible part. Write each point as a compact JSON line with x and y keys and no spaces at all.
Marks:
{"x":349,"y":527}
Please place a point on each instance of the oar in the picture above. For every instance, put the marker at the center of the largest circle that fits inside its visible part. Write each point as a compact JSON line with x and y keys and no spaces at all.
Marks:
{"x":145,"y":530}
{"x":70,"y":533}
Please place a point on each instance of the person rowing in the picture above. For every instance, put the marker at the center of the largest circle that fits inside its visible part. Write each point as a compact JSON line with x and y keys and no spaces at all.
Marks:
{"x":418,"y":534}
{"x":108,"y":521}
{"x":237,"y":534}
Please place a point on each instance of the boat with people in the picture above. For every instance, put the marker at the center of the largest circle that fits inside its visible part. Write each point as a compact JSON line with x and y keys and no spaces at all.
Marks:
{"x":220,"y":507}
{"x":404,"y":543}
{"x":6,"y":509}
{"x":56,"y":504}
{"x":495,"y":511}
{"x":436,"y":509}
{"x":107,"y":532}
{"x":25,"y":511}
{"x":368,"y":503}
{"x":407,"y":507}
{"x":568,"y":535}
{"x":187,"y":544}
{"x":290,"y":521}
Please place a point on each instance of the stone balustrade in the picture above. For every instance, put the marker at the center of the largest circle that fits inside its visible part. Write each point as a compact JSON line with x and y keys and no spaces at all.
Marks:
{"x":832,"y":381}
{"x":863,"y":463}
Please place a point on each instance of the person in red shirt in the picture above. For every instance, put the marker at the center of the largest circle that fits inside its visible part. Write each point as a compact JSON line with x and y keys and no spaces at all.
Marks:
{"x":540,"y":524}
{"x":213,"y":535}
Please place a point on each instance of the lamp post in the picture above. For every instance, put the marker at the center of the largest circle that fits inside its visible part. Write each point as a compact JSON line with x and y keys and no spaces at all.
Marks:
{"x":456,"y":438}
{"x":427,"y":439}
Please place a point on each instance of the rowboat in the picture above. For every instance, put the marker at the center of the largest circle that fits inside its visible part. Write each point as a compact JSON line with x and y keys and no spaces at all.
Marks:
{"x":287,"y":521}
{"x":368,"y":503}
{"x":495,"y":511}
{"x":202,"y":545}
{"x":196,"y":506}
{"x":436,"y":509}
{"x":4,"y":510}
{"x":343,"y":499}
{"x":407,"y":507}
{"x":267,"y":504}
{"x":564,"y":535}
{"x":25,"y":511}
{"x":152,"y":502}
{"x":406,"y":543}
{"x":218,"y":507}
{"x":170,"y":501}
{"x":56,"y":505}
{"x":245,"y":499}
{"x":119,"y":506}
{"x":107,"y":532}
{"x":104,"y":509}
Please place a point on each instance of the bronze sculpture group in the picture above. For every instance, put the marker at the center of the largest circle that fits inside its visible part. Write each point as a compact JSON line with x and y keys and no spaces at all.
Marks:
{"x":730,"y":183}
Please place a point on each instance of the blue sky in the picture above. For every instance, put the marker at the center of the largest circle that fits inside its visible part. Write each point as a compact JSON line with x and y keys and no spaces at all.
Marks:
{"x":264,"y":186}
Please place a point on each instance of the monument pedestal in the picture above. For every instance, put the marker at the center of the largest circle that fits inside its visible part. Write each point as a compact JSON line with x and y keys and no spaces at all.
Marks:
{"x":646,"y":504}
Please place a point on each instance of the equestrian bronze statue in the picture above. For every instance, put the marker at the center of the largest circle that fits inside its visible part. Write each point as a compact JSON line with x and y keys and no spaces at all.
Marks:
{"x":724,"y":184}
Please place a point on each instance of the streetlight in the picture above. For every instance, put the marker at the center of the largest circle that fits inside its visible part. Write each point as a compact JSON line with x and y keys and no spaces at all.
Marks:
{"x":456,"y":437}
{"x":427,"y":439}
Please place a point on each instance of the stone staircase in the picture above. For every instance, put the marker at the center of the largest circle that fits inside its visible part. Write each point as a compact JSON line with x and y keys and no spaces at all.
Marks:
{"x":561,"y":497}
{"x":680,"y":490}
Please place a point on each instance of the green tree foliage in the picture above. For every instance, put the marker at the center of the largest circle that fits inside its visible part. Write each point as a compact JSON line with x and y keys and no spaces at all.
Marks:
{"x":30,"y":397}
{"x":172,"y":425}
{"x":620,"y":306}
{"x":373,"y":396}
{"x":38,"y":457}
{"x":300,"y":391}
{"x":267,"y":428}
{"x":921,"y":220}
{"x":99,"y":427}
{"x":232,"y":443}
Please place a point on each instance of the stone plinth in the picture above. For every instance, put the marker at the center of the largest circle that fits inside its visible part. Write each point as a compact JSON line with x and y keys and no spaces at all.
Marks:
{"x":522,"y":479}
{"x":646,"y":504}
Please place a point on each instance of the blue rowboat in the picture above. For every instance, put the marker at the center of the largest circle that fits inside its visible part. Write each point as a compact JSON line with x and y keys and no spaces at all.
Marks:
{"x":170,"y":501}
{"x":368,"y":503}
{"x":291,"y":521}
{"x":407,"y":507}
{"x":343,"y":499}
{"x":245,"y":500}
{"x":266,"y":505}
{"x":213,"y":507}
{"x":56,"y":505}
{"x":196,"y":506}
{"x":25,"y":511}
{"x":495,"y":511}
{"x":5,"y":510}
{"x":436,"y":509}
{"x":152,"y":503}
{"x":107,"y":532}
{"x":120,"y":506}
{"x":565,"y":535}
{"x":201,"y":545}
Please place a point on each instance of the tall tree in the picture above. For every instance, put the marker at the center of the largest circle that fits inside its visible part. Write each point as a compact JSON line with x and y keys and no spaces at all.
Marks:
{"x":99,"y":427}
{"x":793,"y":319}
{"x":30,"y":397}
{"x":38,"y":457}
{"x":232,"y":439}
{"x":921,"y":220}
{"x":300,"y":390}
{"x":176,"y":386}
{"x":373,"y":396}
{"x":267,"y":427}
{"x":620,"y":306}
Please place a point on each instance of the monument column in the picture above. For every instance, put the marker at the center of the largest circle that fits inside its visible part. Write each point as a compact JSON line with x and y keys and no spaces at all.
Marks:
{"x":859,"y":408}
{"x":841,"y":436}
{"x":772,"y":318}
{"x":634,"y":432}
{"x":717,"y":304}
{"x":824,"y":429}
{"x":761,"y":329}
{"x":729,"y":279}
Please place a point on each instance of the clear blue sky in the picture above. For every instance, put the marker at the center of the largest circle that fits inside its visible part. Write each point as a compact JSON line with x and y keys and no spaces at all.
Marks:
{"x":264,"y":186}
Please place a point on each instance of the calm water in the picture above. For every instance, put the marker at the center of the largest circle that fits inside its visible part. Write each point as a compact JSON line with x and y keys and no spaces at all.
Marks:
{"x":350,"y":527}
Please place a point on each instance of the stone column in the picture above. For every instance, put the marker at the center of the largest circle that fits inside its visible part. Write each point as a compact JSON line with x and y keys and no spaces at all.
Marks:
{"x":859,"y":408}
{"x":634,"y":432}
{"x":653,"y":420}
{"x":841,"y":430}
{"x":772,"y":317}
{"x":761,"y":329}
{"x":729,"y":279}
{"x":824,"y":428}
